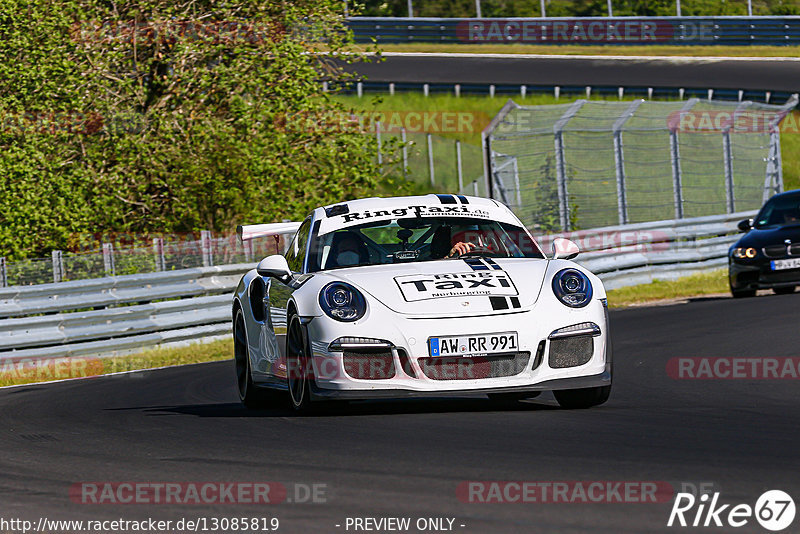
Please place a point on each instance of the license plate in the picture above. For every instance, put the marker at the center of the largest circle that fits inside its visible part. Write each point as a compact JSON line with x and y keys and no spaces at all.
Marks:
{"x":473,"y":345}
{"x":779,"y":265}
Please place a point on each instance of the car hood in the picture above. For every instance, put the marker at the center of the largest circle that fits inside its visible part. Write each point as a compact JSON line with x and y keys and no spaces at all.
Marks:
{"x":451,"y":287}
{"x":770,"y":236}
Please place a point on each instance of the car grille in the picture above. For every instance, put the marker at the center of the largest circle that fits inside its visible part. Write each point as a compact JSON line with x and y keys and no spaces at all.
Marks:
{"x":570,"y":351}
{"x":474,"y":368}
{"x":775,"y":251}
{"x":777,"y":277}
{"x":782,"y":251}
{"x":369,"y":365}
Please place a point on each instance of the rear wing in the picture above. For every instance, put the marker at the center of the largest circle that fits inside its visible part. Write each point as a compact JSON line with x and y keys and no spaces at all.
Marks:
{"x":251,"y":231}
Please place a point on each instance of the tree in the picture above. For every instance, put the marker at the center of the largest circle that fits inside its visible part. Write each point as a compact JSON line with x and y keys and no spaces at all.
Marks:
{"x":167,"y":116}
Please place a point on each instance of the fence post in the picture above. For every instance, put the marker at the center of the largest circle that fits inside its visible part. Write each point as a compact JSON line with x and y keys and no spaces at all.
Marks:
{"x":730,"y":201}
{"x":774,"y":178}
{"x":405,"y":151}
{"x":430,"y":158}
{"x":3,"y":272}
{"x":378,"y":137}
{"x":108,"y":259}
{"x":561,"y":166}
{"x":208,"y":252}
{"x":58,"y":266}
{"x":675,"y":157}
{"x":158,"y":254}
{"x":619,"y":161}
{"x":730,"y":193}
{"x":459,"y":169}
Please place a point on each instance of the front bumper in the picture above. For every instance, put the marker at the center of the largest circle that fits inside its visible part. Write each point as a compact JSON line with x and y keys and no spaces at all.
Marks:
{"x":409,"y":354}
{"x":758,"y":274}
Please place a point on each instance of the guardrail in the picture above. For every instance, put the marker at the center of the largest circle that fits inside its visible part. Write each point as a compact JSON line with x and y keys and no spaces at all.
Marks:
{"x":641,"y":253}
{"x":112,"y":315}
{"x":121,"y":314}
{"x":772,"y":31}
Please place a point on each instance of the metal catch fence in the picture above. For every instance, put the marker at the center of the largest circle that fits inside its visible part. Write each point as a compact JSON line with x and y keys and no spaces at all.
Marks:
{"x":589,"y":164}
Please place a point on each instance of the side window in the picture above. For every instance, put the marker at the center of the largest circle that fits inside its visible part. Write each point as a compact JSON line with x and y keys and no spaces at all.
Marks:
{"x":297,"y":249}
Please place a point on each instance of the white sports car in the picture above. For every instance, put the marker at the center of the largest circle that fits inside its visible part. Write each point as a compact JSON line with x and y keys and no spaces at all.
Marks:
{"x":419,"y":296}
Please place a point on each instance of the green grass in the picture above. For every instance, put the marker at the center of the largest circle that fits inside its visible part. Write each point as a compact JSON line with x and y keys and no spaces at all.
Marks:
{"x":633,"y":50}
{"x":690,"y":286}
{"x":83,"y":367}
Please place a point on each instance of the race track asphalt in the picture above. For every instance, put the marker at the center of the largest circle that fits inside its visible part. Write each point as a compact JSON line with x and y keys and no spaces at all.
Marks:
{"x":509,"y":69}
{"x":407,"y":458}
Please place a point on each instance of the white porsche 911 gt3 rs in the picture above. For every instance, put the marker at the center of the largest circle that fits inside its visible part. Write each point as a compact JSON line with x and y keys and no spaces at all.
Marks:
{"x":419,"y":296}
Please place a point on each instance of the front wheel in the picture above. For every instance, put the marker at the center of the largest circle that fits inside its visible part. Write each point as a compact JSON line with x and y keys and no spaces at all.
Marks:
{"x":743,"y":293}
{"x":582,"y":398}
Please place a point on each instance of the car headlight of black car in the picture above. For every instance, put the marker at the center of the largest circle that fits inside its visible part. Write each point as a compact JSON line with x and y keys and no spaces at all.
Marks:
{"x":342,"y":302}
{"x":572,"y":288}
{"x":744,"y":253}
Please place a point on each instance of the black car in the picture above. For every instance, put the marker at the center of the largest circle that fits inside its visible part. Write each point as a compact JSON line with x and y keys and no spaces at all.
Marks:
{"x":768,"y":255}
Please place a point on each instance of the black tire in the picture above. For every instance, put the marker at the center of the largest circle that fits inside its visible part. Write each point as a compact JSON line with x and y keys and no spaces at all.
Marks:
{"x":743,"y":293}
{"x":299,"y":371}
{"x":250,"y":395}
{"x":512,"y":398}
{"x":783,"y":290}
{"x":577,"y":399}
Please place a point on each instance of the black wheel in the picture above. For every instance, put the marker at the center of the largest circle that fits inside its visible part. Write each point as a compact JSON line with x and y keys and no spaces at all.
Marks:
{"x":512,"y":398}
{"x":250,"y":395}
{"x":783,"y":290}
{"x":299,"y":371}
{"x":742,"y":293}
{"x":582,"y":398}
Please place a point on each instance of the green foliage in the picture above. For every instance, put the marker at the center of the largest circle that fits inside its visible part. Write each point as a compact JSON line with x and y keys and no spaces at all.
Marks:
{"x":155,"y":115}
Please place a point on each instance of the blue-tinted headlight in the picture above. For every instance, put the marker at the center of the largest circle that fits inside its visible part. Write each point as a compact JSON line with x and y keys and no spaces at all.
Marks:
{"x":342,"y":302}
{"x":572,"y":288}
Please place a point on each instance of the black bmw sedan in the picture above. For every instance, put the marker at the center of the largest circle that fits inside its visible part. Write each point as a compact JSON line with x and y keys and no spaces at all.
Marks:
{"x":768,"y":255}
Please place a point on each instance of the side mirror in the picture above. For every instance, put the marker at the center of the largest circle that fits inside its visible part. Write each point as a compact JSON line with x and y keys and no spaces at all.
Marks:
{"x":564,"y":249}
{"x":745,"y":225}
{"x":274,"y":266}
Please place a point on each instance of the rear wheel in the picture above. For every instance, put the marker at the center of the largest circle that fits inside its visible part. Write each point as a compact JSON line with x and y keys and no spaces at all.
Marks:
{"x":783,"y":290}
{"x":582,"y":398}
{"x":298,"y":366}
{"x":250,"y":395}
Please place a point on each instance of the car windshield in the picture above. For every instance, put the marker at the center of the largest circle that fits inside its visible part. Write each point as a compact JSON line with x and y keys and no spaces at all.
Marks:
{"x":779,"y":211}
{"x":419,"y":239}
